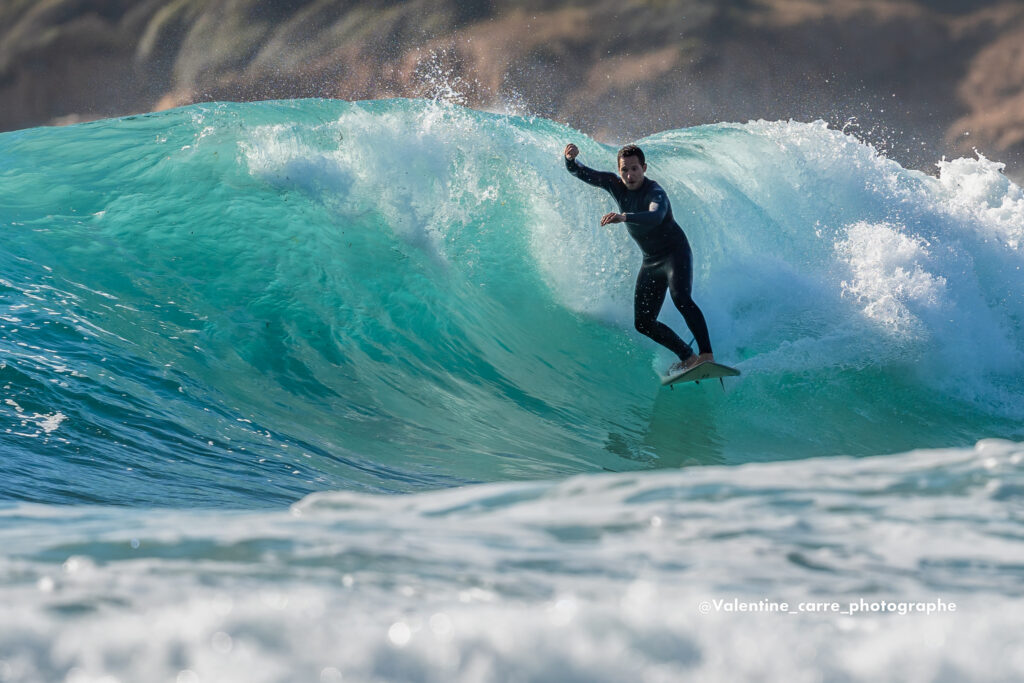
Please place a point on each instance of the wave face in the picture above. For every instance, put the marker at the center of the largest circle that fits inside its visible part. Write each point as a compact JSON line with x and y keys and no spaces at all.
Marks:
{"x":238,"y":304}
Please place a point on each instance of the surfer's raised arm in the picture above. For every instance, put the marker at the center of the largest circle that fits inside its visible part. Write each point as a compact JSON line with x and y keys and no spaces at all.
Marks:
{"x":588,"y":175}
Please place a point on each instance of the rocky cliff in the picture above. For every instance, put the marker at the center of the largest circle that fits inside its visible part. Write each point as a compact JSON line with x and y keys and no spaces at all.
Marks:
{"x":920,"y":79}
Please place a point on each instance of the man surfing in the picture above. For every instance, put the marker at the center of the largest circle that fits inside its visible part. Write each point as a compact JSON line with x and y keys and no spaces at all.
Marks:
{"x":668,"y":261}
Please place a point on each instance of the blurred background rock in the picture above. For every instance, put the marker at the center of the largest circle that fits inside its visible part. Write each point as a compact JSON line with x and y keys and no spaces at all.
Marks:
{"x":920,"y":79}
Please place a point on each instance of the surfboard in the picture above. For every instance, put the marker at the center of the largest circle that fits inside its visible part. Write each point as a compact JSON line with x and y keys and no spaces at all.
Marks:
{"x":707,"y":370}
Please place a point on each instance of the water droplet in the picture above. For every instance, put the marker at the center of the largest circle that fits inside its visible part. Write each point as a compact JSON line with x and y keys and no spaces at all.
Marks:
{"x":399,"y":634}
{"x":222,"y":642}
{"x":441,"y":625}
{"x":330,"y":675}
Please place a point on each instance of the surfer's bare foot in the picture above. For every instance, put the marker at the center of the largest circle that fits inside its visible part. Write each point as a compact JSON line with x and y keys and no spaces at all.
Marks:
{"x":692,"y":362}
{"x":705,"y":358}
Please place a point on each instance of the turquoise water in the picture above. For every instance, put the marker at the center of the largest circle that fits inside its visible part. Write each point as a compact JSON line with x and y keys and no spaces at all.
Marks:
{"x":284,"y":313}
{"x":240,"y":304}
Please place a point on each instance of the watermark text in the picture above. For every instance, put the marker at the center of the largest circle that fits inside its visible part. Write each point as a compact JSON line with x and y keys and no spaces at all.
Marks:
{"x":847,"y":607}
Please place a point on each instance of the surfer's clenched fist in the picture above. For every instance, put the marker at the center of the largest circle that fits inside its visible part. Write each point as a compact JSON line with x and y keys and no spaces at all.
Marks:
{"x":571,"y":151}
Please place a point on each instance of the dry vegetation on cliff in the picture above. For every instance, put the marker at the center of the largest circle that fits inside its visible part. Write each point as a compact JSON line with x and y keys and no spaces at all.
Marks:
{"x":919,"y":78}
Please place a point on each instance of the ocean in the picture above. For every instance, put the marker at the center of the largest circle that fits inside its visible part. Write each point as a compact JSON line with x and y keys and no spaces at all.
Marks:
{"x":318,"y":390}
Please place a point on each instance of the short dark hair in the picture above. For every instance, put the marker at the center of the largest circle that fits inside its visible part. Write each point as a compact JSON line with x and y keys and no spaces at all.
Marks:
{"x":630,"y":151}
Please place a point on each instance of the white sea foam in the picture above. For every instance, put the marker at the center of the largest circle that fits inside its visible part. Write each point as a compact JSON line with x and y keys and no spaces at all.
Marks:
{"x":595,"y":578}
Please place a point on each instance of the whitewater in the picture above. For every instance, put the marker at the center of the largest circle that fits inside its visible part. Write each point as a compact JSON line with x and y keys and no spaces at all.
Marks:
{"x":320,"y":390}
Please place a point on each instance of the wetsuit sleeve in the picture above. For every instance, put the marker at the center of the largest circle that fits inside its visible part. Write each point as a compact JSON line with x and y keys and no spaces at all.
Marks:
{"x":658,"y":209}
{"x":590,"y":176}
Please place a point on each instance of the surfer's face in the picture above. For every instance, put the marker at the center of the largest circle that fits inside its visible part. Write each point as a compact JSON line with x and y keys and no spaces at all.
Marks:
{"x":632,"y":172}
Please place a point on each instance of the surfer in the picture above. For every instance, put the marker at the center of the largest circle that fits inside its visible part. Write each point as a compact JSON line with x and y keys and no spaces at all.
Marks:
{"x":668,"y":261}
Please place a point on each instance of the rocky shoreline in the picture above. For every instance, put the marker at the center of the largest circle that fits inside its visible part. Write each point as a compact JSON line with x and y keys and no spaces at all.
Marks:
{"x":920,"y":80}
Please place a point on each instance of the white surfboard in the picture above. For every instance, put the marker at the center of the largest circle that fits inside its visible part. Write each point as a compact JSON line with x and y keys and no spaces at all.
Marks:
{"x":706,"y":370}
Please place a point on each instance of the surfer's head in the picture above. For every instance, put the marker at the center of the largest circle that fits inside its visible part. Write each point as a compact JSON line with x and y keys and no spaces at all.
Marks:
{"x":632,"y":166}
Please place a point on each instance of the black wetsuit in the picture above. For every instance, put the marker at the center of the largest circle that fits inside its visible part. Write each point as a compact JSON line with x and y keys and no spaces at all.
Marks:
{"x":668,"y":261}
